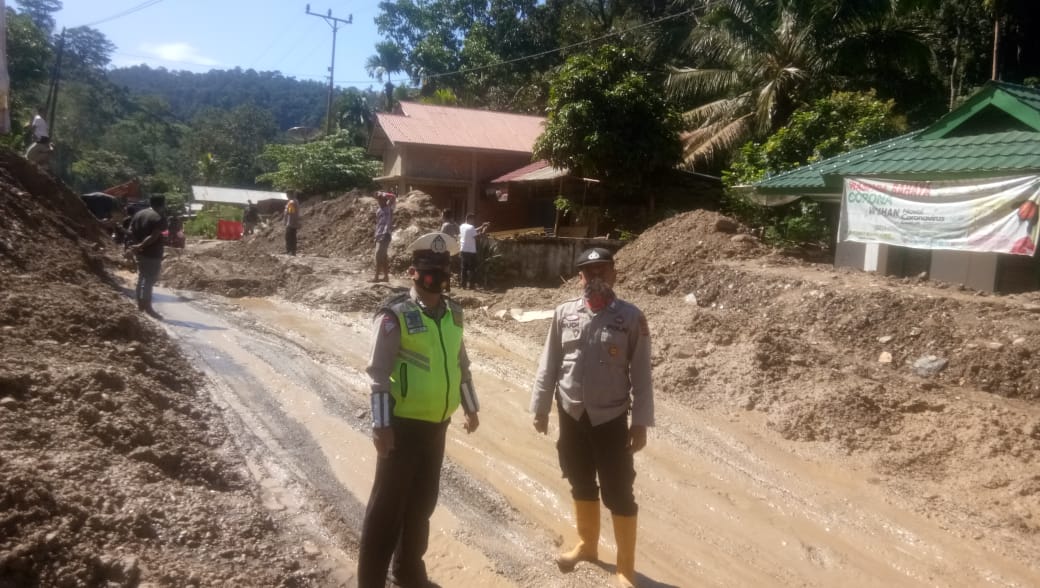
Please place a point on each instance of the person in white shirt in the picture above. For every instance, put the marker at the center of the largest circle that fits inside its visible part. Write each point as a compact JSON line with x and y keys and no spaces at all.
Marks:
{"x":40,"y":150}
{"x":468,"y":232}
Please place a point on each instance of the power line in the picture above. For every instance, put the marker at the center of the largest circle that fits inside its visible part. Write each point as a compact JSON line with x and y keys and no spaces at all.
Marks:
{"x":566,"y":47}
{"x":334,"y":23}
{"x":126,"y":12}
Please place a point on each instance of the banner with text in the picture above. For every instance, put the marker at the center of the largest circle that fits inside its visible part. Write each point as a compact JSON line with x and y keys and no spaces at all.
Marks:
{"x":997,"y":215}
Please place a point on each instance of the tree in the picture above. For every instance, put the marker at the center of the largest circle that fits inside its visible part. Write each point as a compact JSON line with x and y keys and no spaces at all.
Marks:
{"x":330,"y":164}
{"x":232,"y":139}
{"x":98,"y":169}
{"x":28,"y":58}
{"x":839,"y":123}
{"x":756,"y":61}
{"x":605,"y":120}
{"x":41,"y":12}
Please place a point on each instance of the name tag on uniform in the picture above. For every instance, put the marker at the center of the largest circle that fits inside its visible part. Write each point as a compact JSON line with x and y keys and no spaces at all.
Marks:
{"x":413,"y":322}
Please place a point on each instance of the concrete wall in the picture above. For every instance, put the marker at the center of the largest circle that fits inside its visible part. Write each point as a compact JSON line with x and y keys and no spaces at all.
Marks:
{"x":977,"y":271}
{"x":544,"y":261}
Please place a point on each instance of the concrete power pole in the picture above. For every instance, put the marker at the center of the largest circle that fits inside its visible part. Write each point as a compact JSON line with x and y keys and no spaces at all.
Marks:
{"x":334,"y":23}
{"x":5,"y":78}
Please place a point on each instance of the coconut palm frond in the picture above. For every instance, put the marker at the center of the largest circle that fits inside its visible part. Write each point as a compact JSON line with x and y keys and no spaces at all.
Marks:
{"x":700,"y":83}
{"x":704,"y":148}
{"x":719,"y":110}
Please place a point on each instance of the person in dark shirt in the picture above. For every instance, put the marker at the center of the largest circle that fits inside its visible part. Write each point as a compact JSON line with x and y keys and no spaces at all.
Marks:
{"x":250,"y":218}
{"x":146,"y":228}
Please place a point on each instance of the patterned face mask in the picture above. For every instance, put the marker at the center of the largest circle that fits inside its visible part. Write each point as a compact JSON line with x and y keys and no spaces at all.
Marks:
{"x":598,"y":293}
{"x":434,"y":281}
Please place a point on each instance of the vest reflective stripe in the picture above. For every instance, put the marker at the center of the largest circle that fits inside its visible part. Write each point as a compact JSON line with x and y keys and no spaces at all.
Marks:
{"x":416,"y":359}
{"x":426,"y":379}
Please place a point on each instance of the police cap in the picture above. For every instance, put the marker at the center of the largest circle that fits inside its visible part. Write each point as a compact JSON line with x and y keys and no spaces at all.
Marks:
{"x":595,"y":255}
{"x":433,"y":250}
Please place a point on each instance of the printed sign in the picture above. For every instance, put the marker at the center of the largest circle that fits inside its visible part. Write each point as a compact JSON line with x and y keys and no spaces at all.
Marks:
{"x":998,"y":215}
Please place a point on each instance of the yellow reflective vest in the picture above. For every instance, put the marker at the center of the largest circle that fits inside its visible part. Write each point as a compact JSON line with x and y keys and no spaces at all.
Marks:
{"x":427,"y":377}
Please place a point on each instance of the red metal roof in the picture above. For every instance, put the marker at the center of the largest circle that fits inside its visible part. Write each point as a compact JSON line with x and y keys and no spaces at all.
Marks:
{"x":466,"y":128}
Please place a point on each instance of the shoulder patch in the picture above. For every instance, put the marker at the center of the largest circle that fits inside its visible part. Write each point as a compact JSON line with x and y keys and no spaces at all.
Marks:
{"x":389,"y":323}
{"x":644,"y":328}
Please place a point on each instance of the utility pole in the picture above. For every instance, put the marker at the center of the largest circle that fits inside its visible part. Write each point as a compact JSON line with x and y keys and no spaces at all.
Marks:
{"x":5,"y":79}
{"x":334,"y":23}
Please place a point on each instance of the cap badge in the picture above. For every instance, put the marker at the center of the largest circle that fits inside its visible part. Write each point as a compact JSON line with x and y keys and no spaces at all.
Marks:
{"x":594,"y":255}
{"x":438,"y":245}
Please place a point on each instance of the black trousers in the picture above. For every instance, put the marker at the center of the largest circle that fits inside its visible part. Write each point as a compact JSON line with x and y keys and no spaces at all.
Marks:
{"x":404,"y":495}
{"x":588,"y":452}
{"x":290,"y":240}
{"x":468,"y":272}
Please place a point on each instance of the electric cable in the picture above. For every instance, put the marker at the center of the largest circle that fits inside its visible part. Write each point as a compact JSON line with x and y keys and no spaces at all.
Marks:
{"x":126,"y":12}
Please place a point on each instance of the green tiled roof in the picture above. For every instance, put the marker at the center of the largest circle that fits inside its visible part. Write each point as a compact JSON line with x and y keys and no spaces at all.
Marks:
{"x":934,"y":153}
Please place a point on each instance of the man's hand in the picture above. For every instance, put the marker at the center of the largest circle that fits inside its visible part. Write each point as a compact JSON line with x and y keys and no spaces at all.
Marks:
{"x":472,"y":422}
{"x":383,"y":438}
{"x":636,"y":438}
{"x":541,"y":423}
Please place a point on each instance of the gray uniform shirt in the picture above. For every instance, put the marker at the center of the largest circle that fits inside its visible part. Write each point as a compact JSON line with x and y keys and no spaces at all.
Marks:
{"x":386,"y":345}
{"x":598,"y":362}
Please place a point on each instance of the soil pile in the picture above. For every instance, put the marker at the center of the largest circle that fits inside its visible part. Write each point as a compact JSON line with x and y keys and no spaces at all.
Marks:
{"x":115,"y":468}
{"x":344,"y":227}
{"x":340,"y":229}
{"x":928,"y":385}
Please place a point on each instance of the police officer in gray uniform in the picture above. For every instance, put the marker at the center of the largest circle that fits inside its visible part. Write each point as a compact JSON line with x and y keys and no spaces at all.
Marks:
{"x":596,"y":364}
{"x":419,"y":375}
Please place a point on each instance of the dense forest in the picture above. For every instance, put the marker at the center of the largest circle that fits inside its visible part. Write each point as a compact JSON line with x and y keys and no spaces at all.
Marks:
{"x":292,"y":102}
{"x":730,"y":87}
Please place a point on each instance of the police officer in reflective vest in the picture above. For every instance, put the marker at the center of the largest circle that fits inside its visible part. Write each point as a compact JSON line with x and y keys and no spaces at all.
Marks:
{"x":419,"y":374}
{"x":596,"y":364}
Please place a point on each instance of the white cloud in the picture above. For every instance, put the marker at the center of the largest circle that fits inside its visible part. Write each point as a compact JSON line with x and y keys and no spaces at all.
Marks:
{"x":181,"y":53}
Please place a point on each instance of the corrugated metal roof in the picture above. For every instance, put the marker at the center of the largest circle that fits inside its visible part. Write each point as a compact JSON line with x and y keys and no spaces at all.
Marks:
{"x":926,"y":154}
{"x":233,"y":195}
{"x":539,"y":170}
{"x":465,"y":128}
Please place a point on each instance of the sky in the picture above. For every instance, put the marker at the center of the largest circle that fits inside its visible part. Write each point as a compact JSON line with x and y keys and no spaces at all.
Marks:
{"x":265,"y":35}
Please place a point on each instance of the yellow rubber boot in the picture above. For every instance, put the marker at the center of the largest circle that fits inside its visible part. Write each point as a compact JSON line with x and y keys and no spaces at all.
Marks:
{"x":586,"y":513}
{"x":625,"y":535}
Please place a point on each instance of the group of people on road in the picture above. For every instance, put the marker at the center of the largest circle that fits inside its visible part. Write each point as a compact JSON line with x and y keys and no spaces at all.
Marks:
{"x":465,"y":234}
{"x":595,"y":367}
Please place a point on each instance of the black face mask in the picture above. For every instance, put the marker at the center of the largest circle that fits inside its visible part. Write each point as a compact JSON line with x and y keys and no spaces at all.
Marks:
{"x":434,"y":281}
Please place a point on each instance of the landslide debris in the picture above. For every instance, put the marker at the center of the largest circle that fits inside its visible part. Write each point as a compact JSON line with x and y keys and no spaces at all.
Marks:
{"x":116,"y":467}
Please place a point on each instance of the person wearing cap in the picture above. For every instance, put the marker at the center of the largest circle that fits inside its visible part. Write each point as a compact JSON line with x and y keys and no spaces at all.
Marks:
{"x":384,"y":224}
{"x":419,"y":375}
{"x":596,"y":365}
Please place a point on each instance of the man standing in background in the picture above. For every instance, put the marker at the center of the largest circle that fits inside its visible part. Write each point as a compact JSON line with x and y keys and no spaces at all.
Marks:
{"x":146,"y":228}
{"x":384,"y":226}
{"x":468,"y":245}
{"x":292,"y":222}
{"x":40,"y":150}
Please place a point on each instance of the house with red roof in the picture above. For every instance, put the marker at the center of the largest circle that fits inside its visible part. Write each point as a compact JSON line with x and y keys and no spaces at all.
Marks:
{"x":453,"y":154}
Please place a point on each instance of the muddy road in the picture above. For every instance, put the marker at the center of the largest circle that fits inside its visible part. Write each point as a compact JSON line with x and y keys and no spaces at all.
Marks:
{"x":723,"y":500}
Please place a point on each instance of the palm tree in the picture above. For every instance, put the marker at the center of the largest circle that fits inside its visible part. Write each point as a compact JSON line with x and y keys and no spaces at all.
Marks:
{"x":759,"y":60}
{"x":389,"y":59}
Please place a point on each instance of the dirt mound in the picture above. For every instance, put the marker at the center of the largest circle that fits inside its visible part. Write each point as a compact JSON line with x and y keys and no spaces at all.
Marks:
{"x":911,"y":377}
{"x":667,"y":256}
{"x":115,"y":468}
{"x":344,"y":227}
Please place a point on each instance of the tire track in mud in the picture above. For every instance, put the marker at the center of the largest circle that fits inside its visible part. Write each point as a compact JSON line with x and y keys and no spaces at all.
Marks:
{"x":260,"y":371}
